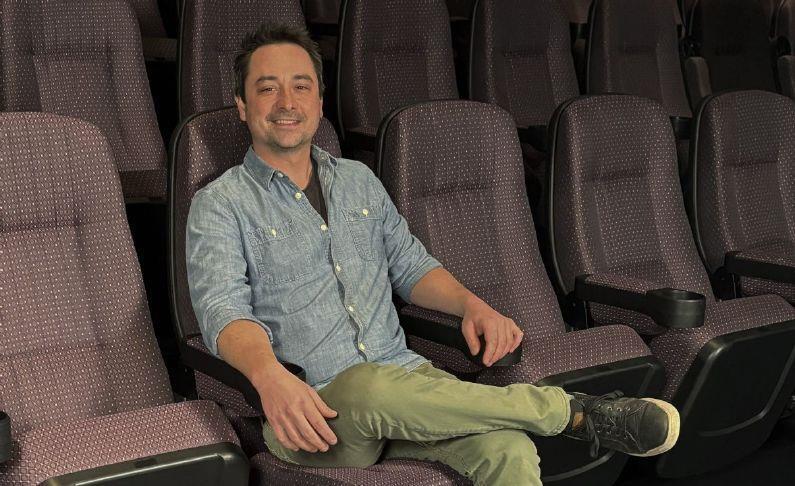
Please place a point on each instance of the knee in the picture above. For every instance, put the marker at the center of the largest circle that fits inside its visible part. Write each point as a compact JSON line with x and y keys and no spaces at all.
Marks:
{"x":364,"y":386}
{"x":509,"y":450}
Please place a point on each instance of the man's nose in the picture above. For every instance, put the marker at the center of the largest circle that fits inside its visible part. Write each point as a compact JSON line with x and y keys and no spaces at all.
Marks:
{"x":285,"y":99}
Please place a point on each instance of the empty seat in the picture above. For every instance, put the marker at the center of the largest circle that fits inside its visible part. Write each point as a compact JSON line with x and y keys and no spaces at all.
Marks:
{"x":521,"y":60}
{"x":391,"y":53}
{"x":157,"y":45}
{"x":454,"y":171}
{"x":83,"y":59}
{"x":744,"y":199}
{"x":210,"y":35}
{"x":82,"y":379}
{"x":622,"y":242}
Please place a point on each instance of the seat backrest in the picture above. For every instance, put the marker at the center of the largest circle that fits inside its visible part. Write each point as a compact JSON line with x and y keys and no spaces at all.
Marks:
{"x":206,"y":146}
{"x":210,"y":35}
{"x":76,"y":339}
{"x":634,"y":49}
{"x":576,"y":10}
{"x":149,"y":20}
{"x":733,"y":37}
{"x":616,"y":207}
{"x":322,"y":11}
{"x":784,"y":21}
{"x":454,"y":171}
{"x":392,"y":53}
{"x":84,"y":60}
{"x":521,"y":58}
{"x":744,"y":168}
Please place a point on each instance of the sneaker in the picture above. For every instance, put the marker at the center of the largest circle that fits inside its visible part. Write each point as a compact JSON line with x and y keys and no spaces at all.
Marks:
{"x":636,"y":426}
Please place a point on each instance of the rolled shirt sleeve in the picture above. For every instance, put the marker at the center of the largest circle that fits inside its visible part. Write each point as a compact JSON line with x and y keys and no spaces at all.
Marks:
{"x":216,"y":265}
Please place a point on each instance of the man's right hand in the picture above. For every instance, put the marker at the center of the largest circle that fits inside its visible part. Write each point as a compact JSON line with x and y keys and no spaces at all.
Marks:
{"x":295,"y":411}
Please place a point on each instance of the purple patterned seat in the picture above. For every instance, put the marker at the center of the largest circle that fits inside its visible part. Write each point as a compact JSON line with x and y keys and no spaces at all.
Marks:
{"x":391,"y":53}
{"x":521,"y":60}
{"x":619,"y":226}
{"x":210,"y":35}
{"x":744,"y":200}
{"x":454,"y":171}
{"x":156,"y":43}
{"x":83,"y":59}
{"x":79,"y":365}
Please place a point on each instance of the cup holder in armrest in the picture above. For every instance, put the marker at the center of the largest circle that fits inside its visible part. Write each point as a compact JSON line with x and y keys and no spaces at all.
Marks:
{"x":5,"y":437}
{"x":674,"y":308}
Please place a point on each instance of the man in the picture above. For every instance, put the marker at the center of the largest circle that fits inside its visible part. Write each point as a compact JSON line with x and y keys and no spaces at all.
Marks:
{"x":294,"y":256}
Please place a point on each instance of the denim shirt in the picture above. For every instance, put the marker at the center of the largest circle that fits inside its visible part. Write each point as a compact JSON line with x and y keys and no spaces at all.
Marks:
{"x":258,"y":250}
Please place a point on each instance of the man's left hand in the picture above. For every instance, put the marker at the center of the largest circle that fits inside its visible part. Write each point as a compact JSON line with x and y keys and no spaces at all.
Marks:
{"x":502,"y":335}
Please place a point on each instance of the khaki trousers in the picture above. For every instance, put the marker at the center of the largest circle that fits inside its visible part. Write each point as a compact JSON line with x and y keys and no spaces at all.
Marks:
{"x":386,"y":412}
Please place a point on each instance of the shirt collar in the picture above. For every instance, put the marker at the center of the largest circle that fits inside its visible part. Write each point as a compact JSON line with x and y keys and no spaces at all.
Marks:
{"x":264,"y":172}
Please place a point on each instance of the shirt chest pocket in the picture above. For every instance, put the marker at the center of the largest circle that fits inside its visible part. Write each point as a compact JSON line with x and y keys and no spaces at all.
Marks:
{"x":280,"y":251}
{"x":365,"y":225}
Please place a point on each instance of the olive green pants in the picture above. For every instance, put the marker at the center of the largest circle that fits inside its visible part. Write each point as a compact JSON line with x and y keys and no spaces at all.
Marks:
{"x":386,"y":412}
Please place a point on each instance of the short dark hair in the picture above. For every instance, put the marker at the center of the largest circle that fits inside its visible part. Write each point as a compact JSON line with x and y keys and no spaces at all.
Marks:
{"x":268,"y":34}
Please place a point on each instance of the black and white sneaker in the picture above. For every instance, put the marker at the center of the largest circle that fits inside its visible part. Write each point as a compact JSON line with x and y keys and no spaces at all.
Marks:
{"x":636,"y":426}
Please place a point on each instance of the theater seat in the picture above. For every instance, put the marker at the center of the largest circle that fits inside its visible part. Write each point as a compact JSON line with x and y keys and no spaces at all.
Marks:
{"x":622,"y":244}
{"x":83,"y":382}
{"x":744,"y":199}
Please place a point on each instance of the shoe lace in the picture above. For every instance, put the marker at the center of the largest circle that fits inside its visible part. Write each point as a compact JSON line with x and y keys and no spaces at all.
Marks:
{"x":590,"y":426}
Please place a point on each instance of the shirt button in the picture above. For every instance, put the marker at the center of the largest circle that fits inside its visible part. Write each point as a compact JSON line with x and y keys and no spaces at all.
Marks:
{"x":365,"y":211}
{"x":298,"y":195}
{"x":338,"y":269}
{"x":323,"y":227}
{"x":279,"y":174}
{"x":361,"y":346}
{"x":273,"y":231}
{"x":350,"y":308}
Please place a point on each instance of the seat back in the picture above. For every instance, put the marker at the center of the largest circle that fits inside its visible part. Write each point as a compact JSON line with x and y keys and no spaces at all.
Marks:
{"x":322,"y":11}
{"x":615,"y":204}
{"x":634,"y":49}
{"x":210,"y":35}
{"x":76,"y":338}
{"x":454,"y":171}
{"x":149,"y":20}
{"x":392,"y":53}
{"x":206,"y":146}
{"x":733,"y":36}
{"x":521,"y":58}
{"x":744,"y":169}
{"x":84,"y":60}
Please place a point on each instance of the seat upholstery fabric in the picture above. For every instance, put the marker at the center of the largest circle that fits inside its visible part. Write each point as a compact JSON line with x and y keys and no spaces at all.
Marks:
{"x":745,"y":173}
{"x":634,"y":49}
{"x":78,"y":359}
{"x":469,"y":208}
{"x":322,"y":11}
{"x":210,"y":35}
{"x":392,"y":53}
{"x":149,"y":20}
{"x":83,"y":59}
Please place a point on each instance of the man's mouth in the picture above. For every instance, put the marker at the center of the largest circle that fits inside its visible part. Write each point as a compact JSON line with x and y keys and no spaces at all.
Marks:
{"x":285,"y":122}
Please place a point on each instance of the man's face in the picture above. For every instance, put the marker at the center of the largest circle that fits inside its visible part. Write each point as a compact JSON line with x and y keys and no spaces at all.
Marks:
{"x":283,"y":106}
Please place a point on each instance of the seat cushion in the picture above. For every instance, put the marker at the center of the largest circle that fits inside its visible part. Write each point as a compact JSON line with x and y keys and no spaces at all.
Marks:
{"x":677,"y":348}
{"x":66,"y":447}
{"x":778,"y":252}
{"x":267,"y":470}
{"x":558,"y":353}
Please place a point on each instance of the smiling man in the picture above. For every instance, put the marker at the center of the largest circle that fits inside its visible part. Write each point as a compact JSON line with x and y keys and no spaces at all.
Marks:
{"x":294,"y":255}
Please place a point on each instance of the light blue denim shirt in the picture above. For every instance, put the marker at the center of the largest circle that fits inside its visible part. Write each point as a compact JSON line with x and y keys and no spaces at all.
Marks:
{"x":258,"y":250}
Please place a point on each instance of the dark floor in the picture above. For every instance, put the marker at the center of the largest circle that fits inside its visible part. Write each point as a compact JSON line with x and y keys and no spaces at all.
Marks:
{"x":772,"y":465}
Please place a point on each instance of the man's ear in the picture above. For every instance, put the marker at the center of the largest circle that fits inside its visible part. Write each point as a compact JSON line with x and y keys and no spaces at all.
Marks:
{"x":241,"y":108}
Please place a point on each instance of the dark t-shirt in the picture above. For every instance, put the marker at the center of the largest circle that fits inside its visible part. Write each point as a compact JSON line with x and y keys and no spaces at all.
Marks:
{"x":314,"y":193}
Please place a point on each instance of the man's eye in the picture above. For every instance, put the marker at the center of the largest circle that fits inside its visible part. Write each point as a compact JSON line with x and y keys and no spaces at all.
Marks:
{"x":266,"y":89}
{"x":302,"y":87}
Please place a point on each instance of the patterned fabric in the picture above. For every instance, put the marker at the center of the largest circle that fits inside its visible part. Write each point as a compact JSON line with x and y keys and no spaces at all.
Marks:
{"x":745,"y":182}
{"x":521,"y":58}
{"x":392,"y":53}
{"x":149,"y":20}
{"x":732,"y":35}
{"x":677,"y":348}
{"x":322,"y":11}
{"x":576,"y":10}
{"x":471,"y":212}
{"x":73,"y":301}
{"x":634,"y":49}
{"x":69,"y":446}
{"x":83,"y":59}
{"x":267,"y":469}
{"x":211,"y":33}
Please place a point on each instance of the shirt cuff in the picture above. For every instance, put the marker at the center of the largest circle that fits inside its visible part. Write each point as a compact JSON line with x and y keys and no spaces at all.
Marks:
{"x":416,"y":274}
{"x":213,"y":327}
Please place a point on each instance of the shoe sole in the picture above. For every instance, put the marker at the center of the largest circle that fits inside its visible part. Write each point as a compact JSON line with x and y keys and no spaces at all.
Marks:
{"x":673,"y":429}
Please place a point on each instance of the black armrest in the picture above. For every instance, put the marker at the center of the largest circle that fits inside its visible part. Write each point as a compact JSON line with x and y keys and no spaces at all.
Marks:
{"x":667,"y":307}
{"x":535,"y":135}
{"x":215,"y":464}
{"x":448,"y":333}
{"x":681,"y":126}
{"x":360,"y":141}
{"x":744,"y":267}
{"x":219,"y":369}
{"x":5,"y":437}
